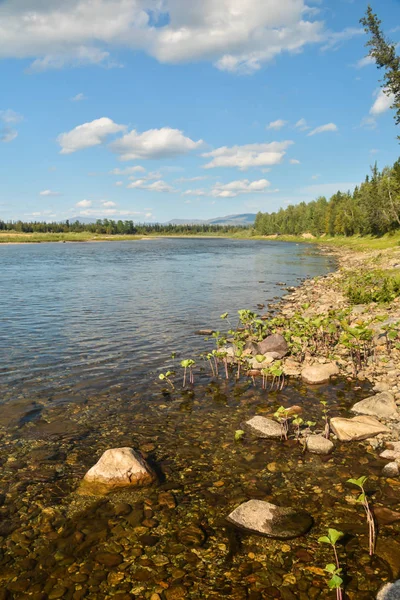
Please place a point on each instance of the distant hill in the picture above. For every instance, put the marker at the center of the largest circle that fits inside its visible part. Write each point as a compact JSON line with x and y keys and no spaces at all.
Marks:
{"x":244,"y":219}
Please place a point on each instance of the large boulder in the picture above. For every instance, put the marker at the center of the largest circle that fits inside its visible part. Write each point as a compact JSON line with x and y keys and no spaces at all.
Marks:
{"x":357,"y":428}
{"x":390,"y":591}
{"x":318,"y":444}
{"x":262,"y":427}
{"x":317,"y":374}
{"x":274,"y":343}
{"x":381,"y":405}
{"x":264,"y":518}
{"x":120,"y":467}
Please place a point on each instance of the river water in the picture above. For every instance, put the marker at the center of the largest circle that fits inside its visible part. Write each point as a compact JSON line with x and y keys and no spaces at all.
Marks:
{"x":85,"y":331}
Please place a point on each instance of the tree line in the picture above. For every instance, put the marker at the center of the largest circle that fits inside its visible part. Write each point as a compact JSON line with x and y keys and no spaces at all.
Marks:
{"x":111,"y":227}
{"x":373,"y":208}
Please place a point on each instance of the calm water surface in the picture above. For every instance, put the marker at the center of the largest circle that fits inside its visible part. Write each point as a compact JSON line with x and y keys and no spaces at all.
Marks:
{"x":85,"y":329}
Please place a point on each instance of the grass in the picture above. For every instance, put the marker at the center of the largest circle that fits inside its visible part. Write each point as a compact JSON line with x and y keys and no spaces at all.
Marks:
{"x":13,"y":237}
{"x":361,"y":243}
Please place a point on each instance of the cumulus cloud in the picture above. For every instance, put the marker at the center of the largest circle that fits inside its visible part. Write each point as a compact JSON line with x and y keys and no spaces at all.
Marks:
{"x":294,"y":161}
{"x":197,"y":178}
{"x":88,"y":135}
{"x":128,"y":170}
{"x":236,"y":35}
{"x":278,"y":124}
{"x":249,"y":155}
{"x":108,"y":203}
{"x":198,"y":192}
{"x":7,"y":119}
{"x":156,"y":186}
{"x":78,"y":98}
{"x":154,"y":143}
{"x":241,"y":186}
{"x":7,"y":134}
{"x":49,"y":193}
{"x":113,"y":213}
{"x":323,"y":129}
{"x":84,"y":204}
{"x":10,"y":116}
{"x":364,"y":62}
{"x":384,"y":100}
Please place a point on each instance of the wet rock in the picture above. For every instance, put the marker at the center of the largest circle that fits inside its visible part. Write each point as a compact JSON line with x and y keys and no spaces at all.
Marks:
{"x":204,"y":332}
{"x":123,"y":509}
{"x":120,"y":467}
{"x":167,"y":499}
{"x":275,"y":343}
{"x":391,"y":470}
{"x":386,"y":516}
{"x":318,"y":444}
{"x":57,"y":592}
{"x":109,"y":559}
{"x":192,"y":536}
{"x":317,"y":374}
{"x":393,"y":451}
{"x":268,"y":360}
{"x":390,"y":591}
{"x":262,"y":427}
{"x":357,"y":428}
{"x":381,"y":405}
{"x":176,"y":592}
{"x":389,"y":550}
{"x":251,"y":348}
{"x":270,"y":520}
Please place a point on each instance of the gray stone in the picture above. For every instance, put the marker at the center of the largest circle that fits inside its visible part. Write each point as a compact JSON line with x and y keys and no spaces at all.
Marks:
{"x":262,"y":427}
{"x":271,"y":521}
{"x":390,"y":591}
{"x":268,"y":360}
{"x":275,"y":343}
{"x":120,"y":467}
{"x":381,"y":405}
{"x":357,"y":428}
{"x":317,"y":374}
{"x":391,"y":470}
{"x":318,"y":444}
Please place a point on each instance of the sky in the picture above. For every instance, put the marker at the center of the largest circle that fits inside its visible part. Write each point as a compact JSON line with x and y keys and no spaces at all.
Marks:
{"x":151,"y":110}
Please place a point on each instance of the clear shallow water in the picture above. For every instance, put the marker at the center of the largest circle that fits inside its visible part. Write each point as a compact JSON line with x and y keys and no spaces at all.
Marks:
{"x":109,"y":310}
{"x":84,"y":331}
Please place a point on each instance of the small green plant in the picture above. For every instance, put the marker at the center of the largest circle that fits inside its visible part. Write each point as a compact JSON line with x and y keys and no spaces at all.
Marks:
{"x":336,"y":582}
{"x":188,"y":364}
{"x":297,"y":422}
{"x":362,"y":499}
{"x":239,"y":433}
{"x":167,"y":377}
{"x":325,"y":412}
{"x":282,"y":415}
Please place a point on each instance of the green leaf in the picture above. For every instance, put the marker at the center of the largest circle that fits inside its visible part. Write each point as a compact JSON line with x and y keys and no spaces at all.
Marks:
{"x":260,"y":358}
{"x":239,"y":433}
{"x":224,"y":316}
{"x":358,"y":482}
{"x":161,"y":376}
{"x":361,"y":498}
{"x":335,"y":535}
{"x":331,"y":568}
{"x":324,"y":540}
{"x":335,"y":582}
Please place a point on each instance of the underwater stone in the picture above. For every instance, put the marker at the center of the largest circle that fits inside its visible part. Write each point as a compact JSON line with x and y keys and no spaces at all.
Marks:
{"x":269,"y":520}
{"x":390,"y":591}
{"x":357,"y":428}
{"x":120,"y":467}
{"x":317,"y":374}
{"x":264,"y":428}
{"x":381,"y":405}
{"x":318,"y":444}
{"x":391,"y":470}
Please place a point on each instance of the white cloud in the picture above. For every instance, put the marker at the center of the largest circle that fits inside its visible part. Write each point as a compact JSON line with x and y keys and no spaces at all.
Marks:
{"x":197,"y":178}
{"x":111,"y":212}
{"x":7,"y":135}
{"x":154,"y":143}
{"x":382,"y":103}
{"x":336,"y":38}
{"x":49,"y":193}
{"x":119,"y":183}
{"x":294,"y":161}
{"x":10,"y":116}
{"x":198,"y":192}
{"x":128,"y":170}
{"x":364,"y":62}
{"x":278,"y":124}
{"x":324,"y":128}
{"x":237,"y":35}
{"x":302,"y":125}
{"x":108,"y":203}
{"x":84,"y":204}
{"x":368,"y":123}
{"x":249,"y":155}
{"x":148,"y":176}
{"x":241,"y":186}
{"x":78,"y":98}
{"x":88,"y":135}
{"x":156,"y":186}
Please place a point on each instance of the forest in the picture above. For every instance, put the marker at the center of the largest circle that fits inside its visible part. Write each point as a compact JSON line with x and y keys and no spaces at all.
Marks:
{"x":373,"y":208}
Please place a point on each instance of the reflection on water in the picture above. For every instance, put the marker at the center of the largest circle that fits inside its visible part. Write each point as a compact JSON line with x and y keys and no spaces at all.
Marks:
{"x":84,"y":331}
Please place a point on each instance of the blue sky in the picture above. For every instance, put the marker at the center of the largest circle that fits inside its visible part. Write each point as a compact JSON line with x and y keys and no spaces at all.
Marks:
{"x":158,"y":109}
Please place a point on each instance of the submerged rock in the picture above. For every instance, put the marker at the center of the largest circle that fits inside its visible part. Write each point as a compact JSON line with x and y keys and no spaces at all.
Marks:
{"x":120,"y":467}
{"x":381,"y":405}
{"x":390,"y":591}
{"x":274,"y":343}
{"x":264,"y":428}
{"x":391,"y":470}
{"x":357,"y":428}
{"x":317,"y":374}
{"x":392,"y":452}
{"x":318,"y":444}
{"x":272,"y":521}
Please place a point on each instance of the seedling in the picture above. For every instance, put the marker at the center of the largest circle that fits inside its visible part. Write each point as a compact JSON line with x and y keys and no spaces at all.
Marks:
{"x":167,"y":377}
{"x":325,"y":411}
{"x":188,"y":364}
{"x":335,"y":583}
{"x":282,"y":416}
{"x":297,"y":421}
{"x":362,"y":499}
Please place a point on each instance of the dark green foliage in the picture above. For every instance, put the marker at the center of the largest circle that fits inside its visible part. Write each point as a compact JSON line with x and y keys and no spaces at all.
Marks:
{"x":373,"y":208}
{"x":383,"y":51}
{"x":372,"y":286}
